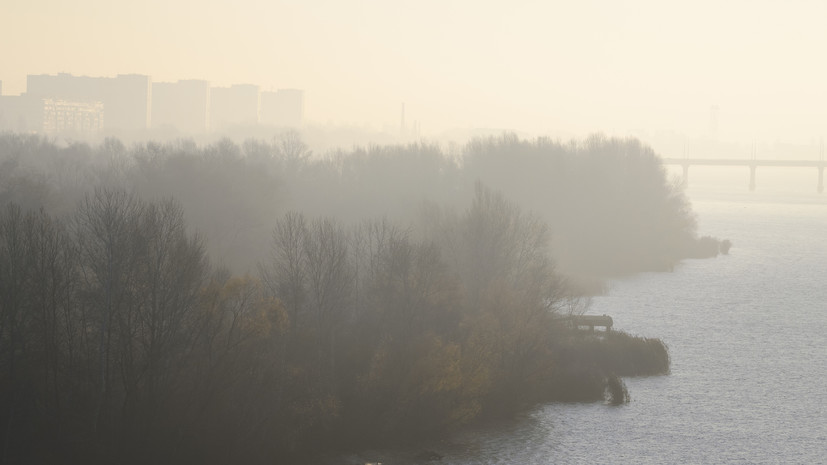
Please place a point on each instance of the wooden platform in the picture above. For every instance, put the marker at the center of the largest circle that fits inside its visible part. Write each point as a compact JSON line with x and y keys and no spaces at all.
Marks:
{"x":590,"y":321}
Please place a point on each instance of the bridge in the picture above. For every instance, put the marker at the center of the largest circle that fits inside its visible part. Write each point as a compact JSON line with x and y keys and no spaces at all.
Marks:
{"x":753,"y":163}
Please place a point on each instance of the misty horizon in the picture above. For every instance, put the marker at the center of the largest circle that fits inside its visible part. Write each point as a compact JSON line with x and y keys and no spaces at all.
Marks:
{"x":335,"y":231}
{"x":171,"y":110}
{"x":742,"y":73}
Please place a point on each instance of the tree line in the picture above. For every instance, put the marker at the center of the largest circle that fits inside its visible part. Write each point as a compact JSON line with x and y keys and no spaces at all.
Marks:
{"x":610,"y":203}
{"x":123,"y":339}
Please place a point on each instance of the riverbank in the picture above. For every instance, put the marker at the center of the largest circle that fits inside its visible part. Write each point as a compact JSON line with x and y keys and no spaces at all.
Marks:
{"x":745,"y":334}
{"x":589,"y":369}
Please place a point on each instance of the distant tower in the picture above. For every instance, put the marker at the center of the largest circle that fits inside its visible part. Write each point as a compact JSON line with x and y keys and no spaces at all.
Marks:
{"x":713,"y":122}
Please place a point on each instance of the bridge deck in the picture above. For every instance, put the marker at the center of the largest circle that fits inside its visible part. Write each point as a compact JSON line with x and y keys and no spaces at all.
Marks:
{"x":743,"y":162}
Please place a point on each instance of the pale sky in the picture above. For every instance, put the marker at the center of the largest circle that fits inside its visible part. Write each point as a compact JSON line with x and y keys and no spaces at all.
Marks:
{"x":619,"y":67}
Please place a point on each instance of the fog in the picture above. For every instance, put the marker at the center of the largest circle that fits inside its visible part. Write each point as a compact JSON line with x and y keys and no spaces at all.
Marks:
{"x":251,"y":302}
{"x":642,"y":68}
{"x":326,"y":226}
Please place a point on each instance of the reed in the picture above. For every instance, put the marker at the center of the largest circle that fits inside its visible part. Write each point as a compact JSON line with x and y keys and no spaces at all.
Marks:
{"x":589,"y":366}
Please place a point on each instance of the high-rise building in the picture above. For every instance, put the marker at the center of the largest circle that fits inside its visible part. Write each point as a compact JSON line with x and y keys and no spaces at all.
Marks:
{"x":183,"y":105}
{"x":64,"y":85}
{"x":70,"y":117}
{"x":132,"y":102}
{"x":283,"y":108}
{"x":127,"y":101}
{"x":126,"y":98}
{"x":18,"y":113}
{"x":234,"y":106}
{"x":28,"y":113}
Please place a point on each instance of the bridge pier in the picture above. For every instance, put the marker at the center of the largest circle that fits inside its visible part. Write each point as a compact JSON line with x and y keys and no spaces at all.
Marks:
{"x":753,"y":165}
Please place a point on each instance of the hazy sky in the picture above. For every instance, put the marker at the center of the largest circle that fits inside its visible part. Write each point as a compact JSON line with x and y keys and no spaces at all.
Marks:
{"x":537,"y":66}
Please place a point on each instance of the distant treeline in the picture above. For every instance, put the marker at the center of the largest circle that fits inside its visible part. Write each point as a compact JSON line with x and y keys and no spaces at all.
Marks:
{"x":609,"y":203}
{"x":121,"y":340}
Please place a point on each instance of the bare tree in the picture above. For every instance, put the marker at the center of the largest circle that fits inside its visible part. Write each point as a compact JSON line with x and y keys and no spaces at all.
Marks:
{"x":285,"y":274}
{"x":105,"y":227}
{"x":15,"y":273}
{"x":293,"y":151}
{"x":331,"y":285}
{"x":54,"y":310}
{"x":171,"y":269}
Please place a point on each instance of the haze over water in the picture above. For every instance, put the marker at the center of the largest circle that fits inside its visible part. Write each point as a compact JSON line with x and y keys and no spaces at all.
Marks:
{"x":746,"y":331}
{"x":747,"y":340}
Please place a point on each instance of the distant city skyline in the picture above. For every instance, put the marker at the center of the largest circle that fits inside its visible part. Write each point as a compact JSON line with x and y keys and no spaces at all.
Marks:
{"x":132,"y":104}
{"x":641,"y":67}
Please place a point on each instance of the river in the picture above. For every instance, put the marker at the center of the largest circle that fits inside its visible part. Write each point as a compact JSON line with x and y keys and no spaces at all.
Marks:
{"x":747,"y":334}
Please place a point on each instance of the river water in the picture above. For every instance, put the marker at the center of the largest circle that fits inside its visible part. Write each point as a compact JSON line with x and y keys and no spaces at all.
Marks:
{"x":747,"y":334}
